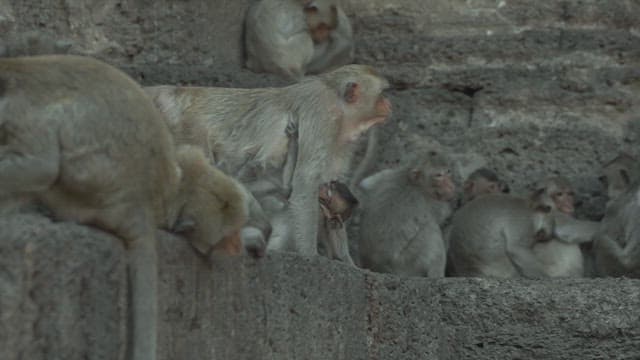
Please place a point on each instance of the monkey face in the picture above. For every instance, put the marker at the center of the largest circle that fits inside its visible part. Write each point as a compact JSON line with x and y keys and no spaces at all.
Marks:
{"x":443,"y":184}
{"x":564,"y":198}
{"x":336,"y":200}
{"x":363,"y":103}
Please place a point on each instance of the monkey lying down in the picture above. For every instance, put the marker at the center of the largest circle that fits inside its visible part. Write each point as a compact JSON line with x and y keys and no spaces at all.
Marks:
{"x":84,"y":140}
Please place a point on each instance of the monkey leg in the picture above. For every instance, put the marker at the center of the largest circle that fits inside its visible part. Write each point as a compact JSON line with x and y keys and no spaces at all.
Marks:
{"x":525,"y":261}
{"x":336,"y":242}
{"x":29,"y":163}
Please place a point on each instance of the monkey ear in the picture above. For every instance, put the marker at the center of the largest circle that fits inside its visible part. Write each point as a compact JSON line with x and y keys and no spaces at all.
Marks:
{"x":184,"y":225}
{"x":352,"y":93}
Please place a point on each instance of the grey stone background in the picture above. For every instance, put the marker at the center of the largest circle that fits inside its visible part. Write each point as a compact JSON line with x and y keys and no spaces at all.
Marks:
{"x":535,"y":87}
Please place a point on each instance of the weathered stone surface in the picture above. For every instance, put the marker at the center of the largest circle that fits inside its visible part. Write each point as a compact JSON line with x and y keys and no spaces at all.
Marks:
{"x":63,"y":296}
{"x":62,"y":291}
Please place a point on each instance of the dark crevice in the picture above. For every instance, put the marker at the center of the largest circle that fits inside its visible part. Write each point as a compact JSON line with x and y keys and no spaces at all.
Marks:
{"x":467,"y":90}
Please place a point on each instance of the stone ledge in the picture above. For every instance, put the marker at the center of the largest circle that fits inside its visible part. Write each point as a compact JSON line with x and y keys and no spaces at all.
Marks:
{"x":63,"y":294}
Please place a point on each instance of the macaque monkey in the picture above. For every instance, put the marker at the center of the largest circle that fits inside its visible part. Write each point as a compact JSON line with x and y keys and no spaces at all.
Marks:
{"x":616,"y":245}
{"x":402,"y":213}
{"x":82,"y":139}
{"x":619,"y":174}
{"x":561,"y":254}
{"x":337,"y":204}
{"x":296,"y":37}
{"x":237,"y":127}
{"x":494,"y":235}
{"x":481,"y":182}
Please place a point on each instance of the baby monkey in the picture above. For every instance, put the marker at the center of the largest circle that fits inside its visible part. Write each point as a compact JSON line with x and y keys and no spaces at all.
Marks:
{"x":337,"y":204}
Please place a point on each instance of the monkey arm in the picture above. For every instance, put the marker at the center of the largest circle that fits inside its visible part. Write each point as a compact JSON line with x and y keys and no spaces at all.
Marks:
{"x":628,"y":255}
{"x":365,"y":165}
{"x":574,"y":231}
{"x":336,"y":241}
{"x":292,"y":156}
{"x":523,"y":258}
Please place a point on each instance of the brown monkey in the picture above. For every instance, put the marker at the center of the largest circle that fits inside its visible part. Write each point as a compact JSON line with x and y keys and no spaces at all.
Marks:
{"x":619,"y":174}
{"x":561,"y":255}
{"x":337,"y":204}
{"x":242,"y":126}
{"x":296,"y":37}
{"x":403,"y":211}
{"x":494,"y":234}
{"x":616,"y":245}
{"x":84,"y":140}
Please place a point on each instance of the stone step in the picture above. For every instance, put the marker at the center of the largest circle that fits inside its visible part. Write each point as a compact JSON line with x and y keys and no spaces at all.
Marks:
{"x":63,"y":296}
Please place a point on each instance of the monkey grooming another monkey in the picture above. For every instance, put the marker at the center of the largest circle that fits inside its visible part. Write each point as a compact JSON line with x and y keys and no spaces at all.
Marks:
{"x":296,"y":37}
{"x":83,"y":139}
{"x":616,"y":245}
{"x":237,"y":127}
{"x":337,"y":203}
{"x":561,"y":255}
{"x":402,"y":213}
{"x":494,"y":235}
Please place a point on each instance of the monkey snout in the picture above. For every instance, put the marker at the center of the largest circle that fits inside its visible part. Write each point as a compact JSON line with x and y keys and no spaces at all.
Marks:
{"x":542,"y":236}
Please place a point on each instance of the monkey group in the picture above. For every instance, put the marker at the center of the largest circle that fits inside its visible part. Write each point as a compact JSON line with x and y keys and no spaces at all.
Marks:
{"x":251,"y":171}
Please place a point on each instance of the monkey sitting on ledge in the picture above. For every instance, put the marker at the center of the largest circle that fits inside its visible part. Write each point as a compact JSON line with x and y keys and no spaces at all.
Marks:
{"x":84,"y":140}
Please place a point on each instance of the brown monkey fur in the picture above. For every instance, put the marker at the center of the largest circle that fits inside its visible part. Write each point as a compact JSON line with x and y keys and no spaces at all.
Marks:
{"x":83,"y":139}
{"x":240,"y":126}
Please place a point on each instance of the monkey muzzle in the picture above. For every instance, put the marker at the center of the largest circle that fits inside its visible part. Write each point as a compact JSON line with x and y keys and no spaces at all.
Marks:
{"x":542,"y":236}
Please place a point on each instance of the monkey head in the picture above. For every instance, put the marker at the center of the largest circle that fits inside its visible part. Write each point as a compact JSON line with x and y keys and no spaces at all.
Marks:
{"x":543,"y":220}
{"x":322,"y":19}
{"x":336,"y":200}
{"x":213,"y":207}
{"x":361,"y":101}
{"x":431,"y":172}
{"x":483,"y":181}
{"x":560,"y":191}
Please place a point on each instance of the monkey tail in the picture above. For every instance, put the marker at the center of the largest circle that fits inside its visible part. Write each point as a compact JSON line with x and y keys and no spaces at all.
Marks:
{"x":143,"y":297}
{"x":366,"y":164}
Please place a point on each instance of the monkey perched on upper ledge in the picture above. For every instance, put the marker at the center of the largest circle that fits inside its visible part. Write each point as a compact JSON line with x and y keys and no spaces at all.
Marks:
{"x":296,"y":37}
{"x":81,"y":138}
{"x":244,"y":127}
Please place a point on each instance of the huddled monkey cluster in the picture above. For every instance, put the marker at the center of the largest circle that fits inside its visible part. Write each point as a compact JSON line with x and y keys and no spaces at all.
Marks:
{"x":267,"y":169}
